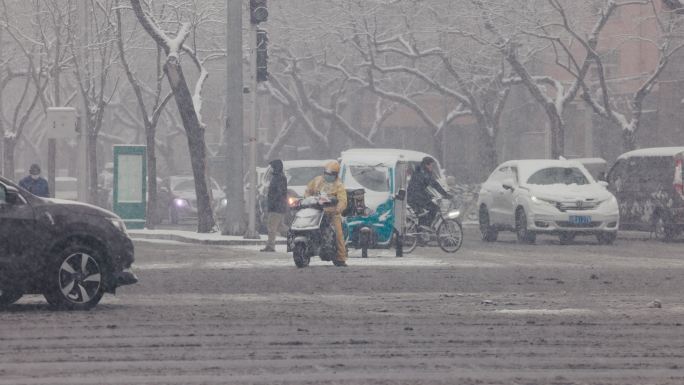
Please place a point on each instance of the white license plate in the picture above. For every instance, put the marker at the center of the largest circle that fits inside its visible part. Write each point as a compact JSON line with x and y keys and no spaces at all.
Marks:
{"x":580,"y":219}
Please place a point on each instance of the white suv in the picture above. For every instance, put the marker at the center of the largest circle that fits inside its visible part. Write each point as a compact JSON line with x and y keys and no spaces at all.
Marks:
{"x":542,"y":196}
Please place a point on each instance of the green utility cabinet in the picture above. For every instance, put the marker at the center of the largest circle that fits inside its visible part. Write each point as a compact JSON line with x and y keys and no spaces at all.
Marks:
{"x":130,"y":187}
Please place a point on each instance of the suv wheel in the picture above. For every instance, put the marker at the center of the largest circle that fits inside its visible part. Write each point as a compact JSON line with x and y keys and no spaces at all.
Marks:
{"x":9,"y":296}
{"x":487,"y":231}
{"x":76,"y":278}
{"x":523,"y":234}
{"x":662,"y":230}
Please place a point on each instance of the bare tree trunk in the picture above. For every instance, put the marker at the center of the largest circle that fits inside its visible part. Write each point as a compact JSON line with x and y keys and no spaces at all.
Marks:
{"x":8,"y":157}
{"x":92,"y":167}
{"x":196,"y":144}
{"x":489,"y":159}
{"x":437,"y":149}
{"x":557,"y":133}
{"x":152,"y":199}
{"x":629,"y":139}
{"x":556,"y":126}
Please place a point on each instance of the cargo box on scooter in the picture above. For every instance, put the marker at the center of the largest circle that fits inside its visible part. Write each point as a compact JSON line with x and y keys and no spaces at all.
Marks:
{"x":356,"y":203}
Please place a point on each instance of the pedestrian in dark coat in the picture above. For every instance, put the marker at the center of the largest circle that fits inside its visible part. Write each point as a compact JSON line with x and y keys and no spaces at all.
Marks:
{"x":34,"y":183}
{"x":418,"y":196}
{"x":277,"y":202}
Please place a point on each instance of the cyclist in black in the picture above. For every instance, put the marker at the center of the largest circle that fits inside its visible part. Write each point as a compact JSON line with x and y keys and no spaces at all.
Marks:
{"x":419,"y":198}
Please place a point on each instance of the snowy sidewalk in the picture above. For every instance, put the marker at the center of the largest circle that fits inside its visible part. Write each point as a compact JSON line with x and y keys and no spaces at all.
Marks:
{"x":217,"y":238}
{"x":203,"y":238}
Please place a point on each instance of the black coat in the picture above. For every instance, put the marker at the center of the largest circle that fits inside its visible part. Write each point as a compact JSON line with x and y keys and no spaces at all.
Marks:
{"x":38,"y":187}
{"x":277,"y":191}
{"x":417,"y":193}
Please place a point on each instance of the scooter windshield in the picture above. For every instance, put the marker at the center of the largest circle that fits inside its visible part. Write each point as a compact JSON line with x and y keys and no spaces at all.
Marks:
{"x":307,"y":219}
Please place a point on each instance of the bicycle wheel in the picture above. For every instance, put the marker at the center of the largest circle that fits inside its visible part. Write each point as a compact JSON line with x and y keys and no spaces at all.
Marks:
{"x":450,"y":236}
{"x":410,"y":238}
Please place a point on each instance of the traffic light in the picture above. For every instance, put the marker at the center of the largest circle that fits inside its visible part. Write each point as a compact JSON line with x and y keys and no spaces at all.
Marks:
{"x":258,"y":11}
{"x":262,"y":56}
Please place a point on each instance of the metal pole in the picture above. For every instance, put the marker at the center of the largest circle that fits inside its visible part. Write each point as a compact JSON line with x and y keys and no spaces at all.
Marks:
{"x":83,"y":138}
{"x":51,"y":166}
{"x":2,"y":126}
{"x":251,"y":198}
{"x":233,"y":134}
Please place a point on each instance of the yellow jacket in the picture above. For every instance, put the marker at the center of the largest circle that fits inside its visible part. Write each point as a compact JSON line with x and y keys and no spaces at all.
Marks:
{"x":334,"y":189}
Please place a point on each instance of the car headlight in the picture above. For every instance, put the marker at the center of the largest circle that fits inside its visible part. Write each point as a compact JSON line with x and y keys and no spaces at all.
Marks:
{"x":224,"y":202}
{"x":180,"y":202}
{"x":454,"y":214}
{"x":119,"y":224}
{"x":536,"y":199}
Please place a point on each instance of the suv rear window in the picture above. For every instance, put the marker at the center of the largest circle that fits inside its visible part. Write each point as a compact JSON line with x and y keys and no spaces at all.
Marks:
{"x":650,"y":170}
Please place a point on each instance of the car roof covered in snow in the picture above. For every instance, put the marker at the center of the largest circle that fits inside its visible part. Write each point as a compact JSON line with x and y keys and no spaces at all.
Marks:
{"x":541,"y":163}
{"x":586,"y":161}
{"x":386,"y":156}
{"x":654,"y":151}
{"x":527,"y":167}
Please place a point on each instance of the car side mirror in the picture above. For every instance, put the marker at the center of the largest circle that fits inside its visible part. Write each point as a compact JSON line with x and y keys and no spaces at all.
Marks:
{"x":508,"y":184}
{"x":603,"y":183}
{"x":400,"y":195}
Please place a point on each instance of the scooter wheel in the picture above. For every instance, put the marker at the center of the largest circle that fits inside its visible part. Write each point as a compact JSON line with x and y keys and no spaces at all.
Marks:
{"x":300,"y":257}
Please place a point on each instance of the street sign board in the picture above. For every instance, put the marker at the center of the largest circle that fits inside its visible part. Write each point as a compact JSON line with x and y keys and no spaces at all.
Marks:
{"x":61,"y":122}
{"x":130,"y":187}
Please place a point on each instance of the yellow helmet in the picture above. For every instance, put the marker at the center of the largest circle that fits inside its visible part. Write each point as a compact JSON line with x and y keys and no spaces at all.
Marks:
{"x":332,"y":167}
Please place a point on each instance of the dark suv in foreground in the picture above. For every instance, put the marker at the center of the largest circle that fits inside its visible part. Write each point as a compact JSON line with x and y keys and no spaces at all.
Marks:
{"x":70,"y":252}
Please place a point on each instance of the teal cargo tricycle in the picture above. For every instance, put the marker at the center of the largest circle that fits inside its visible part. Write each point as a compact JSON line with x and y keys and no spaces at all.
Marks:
{"x":375,"y":180}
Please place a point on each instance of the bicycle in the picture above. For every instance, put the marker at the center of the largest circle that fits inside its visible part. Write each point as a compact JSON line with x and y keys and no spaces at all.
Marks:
{"x":446,"y":229}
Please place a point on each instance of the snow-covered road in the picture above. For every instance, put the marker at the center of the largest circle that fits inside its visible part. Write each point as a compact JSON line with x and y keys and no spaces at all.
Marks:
{"x":497,"y":313}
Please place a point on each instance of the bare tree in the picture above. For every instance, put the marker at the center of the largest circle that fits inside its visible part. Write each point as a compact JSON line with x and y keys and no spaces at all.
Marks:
{"x":30,"y":83}
{"x":382,"y":49}
{"x":150,"y":119}
{"x":188,"y":104}
{"x":523,"y":34}
{"x":605,"y":101}
{"x":92,"y":68}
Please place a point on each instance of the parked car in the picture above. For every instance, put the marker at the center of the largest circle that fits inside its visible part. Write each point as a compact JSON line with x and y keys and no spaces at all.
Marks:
{"x":178,"y":200}
{"x":544,"y":196}
{"x":70,"y":252}
{"x":648,"y":187}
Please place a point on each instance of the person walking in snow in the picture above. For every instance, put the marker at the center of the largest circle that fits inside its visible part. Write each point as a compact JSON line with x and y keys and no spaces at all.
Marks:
{"x":34,"y":183}
{"x":276,"y":201}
